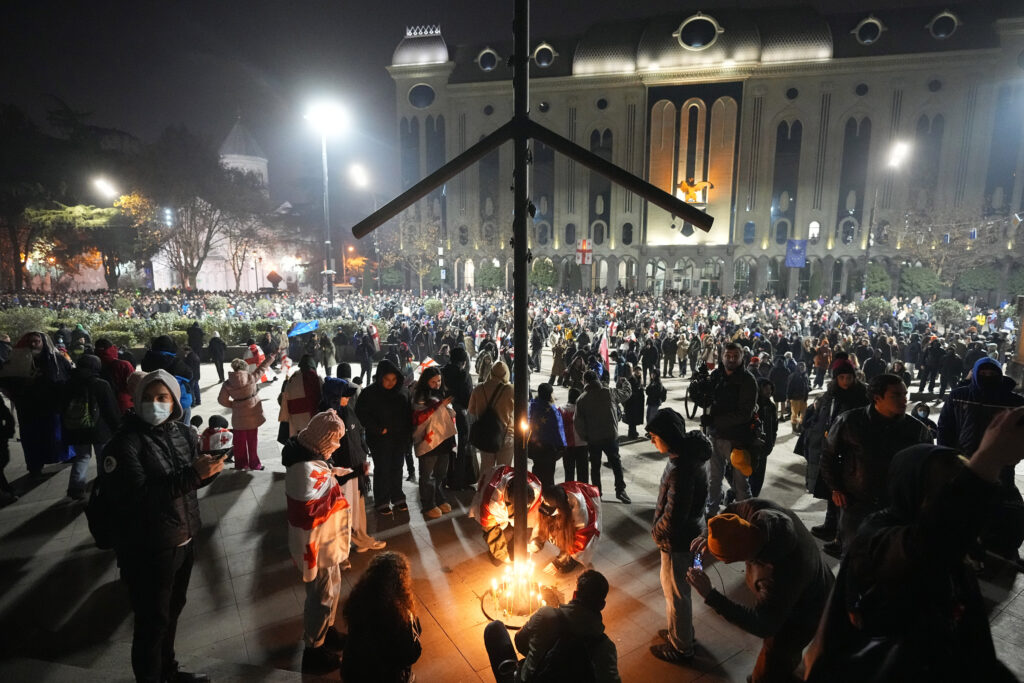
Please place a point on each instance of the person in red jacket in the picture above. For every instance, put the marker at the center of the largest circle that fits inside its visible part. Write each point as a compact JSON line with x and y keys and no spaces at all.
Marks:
{"x":570,"y":517}
{"x":116,"y":372}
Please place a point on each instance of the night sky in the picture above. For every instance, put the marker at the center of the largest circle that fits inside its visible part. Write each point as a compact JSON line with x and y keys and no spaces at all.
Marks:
{"x":140,"y":66}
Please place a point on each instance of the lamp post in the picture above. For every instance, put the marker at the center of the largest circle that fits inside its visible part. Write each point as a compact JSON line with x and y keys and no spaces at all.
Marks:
{"x":897,"y":154}
{"x":327,"y":118}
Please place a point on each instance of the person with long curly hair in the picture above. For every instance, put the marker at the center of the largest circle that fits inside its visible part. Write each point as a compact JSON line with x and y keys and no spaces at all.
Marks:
{"x":383,"y":629}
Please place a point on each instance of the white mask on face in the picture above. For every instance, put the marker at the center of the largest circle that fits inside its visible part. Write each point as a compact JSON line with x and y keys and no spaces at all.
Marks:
{"x":155,"y":413}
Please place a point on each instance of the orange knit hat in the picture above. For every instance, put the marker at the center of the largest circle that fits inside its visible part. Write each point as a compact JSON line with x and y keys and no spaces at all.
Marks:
{"x":732,"y":538}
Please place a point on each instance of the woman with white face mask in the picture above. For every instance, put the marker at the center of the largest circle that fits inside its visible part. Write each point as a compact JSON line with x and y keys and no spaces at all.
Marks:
{"x":152,"y":469}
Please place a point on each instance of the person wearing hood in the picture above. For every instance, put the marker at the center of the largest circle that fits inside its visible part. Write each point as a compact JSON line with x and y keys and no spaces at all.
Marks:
{"x":217,"y":347}
{"x":163,"y":355}
{"x":497,"y":393}
{"x":116,"y":372}
{"x":386,"y":414}
{"x":458,"y":384}
{"x":547,"y":435}
{"x":785,"y":572}
{"x":906,"y":605}
{"x":433,"y":440}
{"x":89,"y":417}
{"x":241,"y":394}
{"x":318,"y":533}
{"x":678,"y":519}
{"x":300,"y":395}
{"x":581,"y":617}
{"x":32,"y":378}
{"x":922,"y":412}
{"x":779,"y":377}
{"x":152,"y":469}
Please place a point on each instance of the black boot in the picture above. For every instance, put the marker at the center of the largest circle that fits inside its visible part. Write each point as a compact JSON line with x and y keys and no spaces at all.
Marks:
{"x":826,"y":531}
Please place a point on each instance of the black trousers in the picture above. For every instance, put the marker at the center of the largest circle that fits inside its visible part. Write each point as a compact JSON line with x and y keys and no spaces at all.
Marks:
{"x":461,"y":468}
{"x":500,"y":652}
{"x":574,"y":462}
{"x":218,"y":364}
{"x":157,"y":586}
{"x":544,"y":458}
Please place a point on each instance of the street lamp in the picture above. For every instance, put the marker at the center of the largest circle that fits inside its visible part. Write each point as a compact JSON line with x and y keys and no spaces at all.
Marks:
{"x":327,"y":118}
{"x":897,"y":155}
{"x":360,"y":177}
{"x":105,"y":188}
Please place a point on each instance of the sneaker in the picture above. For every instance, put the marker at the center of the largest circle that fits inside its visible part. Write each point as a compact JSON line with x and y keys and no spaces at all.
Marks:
{"x":384,"y":511}
{"x":335,"y":639}
{"x":375,"y":545}
{"x":445,"y":507}
{"x":825,"y":532}
{"x":401,"y":507}
{"x":623,"y":498}
{"x":834,"y":548}
{"x":667,"y":653}
{"x":432,"y":513}
{"x":320,"y":660}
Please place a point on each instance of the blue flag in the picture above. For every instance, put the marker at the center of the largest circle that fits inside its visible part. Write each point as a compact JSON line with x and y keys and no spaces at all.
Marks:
{"x":303,"y":328}
{"x":796,"y":253}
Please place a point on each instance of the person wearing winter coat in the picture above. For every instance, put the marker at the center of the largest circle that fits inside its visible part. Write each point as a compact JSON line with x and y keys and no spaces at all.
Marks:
{"x":241,"y":394}
{"x":151,"y":471}
{"x":433,"y":440}
{"x":116,"y":372}
{"x":669,"y":346}
{"x":196,"y":336}
{"x":498,"y":393}
{"x":656,"y":394}
{"x":784,"y":571}
{"x":779,"y":376}
{"x":570,"y":518}
{"x":633,"y":407}
{"x":678,"y":519}
{"x":650,"y":358}
{"x":300,"y":395}
{"x":217,"y":347}
{"x":906,"y":605}
{"x":457,"y":383}
{"x":191,"y":359}
{"x":493,"y":506}
{"x":547,"y":435}
{"x":386,"y":414}
{"x":163,"y":355}
{"x":596,"y":420}
{"x":318,"y":533}
{"x":769,"y":418}
{"x":576,"y":457}
{"x":798,"y":388}
{"x":557,"y":363}
{"x":89,"y":418}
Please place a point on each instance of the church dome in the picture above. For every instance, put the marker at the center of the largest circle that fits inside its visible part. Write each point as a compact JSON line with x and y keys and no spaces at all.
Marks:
{"x":421,"y":45}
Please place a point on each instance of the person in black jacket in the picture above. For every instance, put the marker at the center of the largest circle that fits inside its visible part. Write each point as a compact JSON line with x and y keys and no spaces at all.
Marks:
{"x":386,"y":414}
{"x":90,"y":417}
{"x":458,"y":384}
{"x":163,"y":355}
{"x":678,"y":519}
{"x":217,"y":349}
{"x":769,"y":418}
{"x":951,"y":371}
{"x":152,"y":468}
{"x":196,"y":336}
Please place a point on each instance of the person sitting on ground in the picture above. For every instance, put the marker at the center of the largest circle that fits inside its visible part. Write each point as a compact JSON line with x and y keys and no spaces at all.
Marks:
{"x":906,"y":606}
{"x":383,"y":628}
{"x":784,"y":571}
{"x":570,"y":518}
{"x":579,"y":620}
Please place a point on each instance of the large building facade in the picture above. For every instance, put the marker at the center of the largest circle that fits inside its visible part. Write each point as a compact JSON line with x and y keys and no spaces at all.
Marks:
{"x":780,"y":122}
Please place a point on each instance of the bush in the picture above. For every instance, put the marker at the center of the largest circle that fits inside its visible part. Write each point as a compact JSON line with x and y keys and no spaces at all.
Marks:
{"x":122,"y":304}
{"x":544,"y":274}
{"x":878,"y":281}
{"x":264,"y":307}
{"x":18,"y":321}
{"x":948,"y":312}
{"x":489,"y":276}
{"x":119,"y":338}
{"x":919,"y":281}
{"x":433,"y":307}
{"x":216,"y":303}
{"x":874,"y":309}
{"x":979,"y":281}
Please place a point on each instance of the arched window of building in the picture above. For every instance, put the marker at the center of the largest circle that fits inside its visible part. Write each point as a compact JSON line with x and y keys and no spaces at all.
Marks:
{"x":627,"y":234}
{"x":570,"y":235}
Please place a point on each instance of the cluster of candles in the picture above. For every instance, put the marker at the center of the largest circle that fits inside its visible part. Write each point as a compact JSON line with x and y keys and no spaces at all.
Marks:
{"x":516,"y":592}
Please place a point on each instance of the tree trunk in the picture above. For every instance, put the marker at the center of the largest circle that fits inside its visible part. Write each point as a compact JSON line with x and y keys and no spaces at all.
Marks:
{"x":111,"y":271}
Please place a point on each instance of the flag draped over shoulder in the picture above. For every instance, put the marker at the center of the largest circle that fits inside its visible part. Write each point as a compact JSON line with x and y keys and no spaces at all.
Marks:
{"x":319,"y":525}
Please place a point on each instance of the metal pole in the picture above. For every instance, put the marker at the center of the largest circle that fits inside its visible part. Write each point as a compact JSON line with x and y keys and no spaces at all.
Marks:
{"x":867,"y":246}
{"x":328,"y":271}
{"x":520,"y":141}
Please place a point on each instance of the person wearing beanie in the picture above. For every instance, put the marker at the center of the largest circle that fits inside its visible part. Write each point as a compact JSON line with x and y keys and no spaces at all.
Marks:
{"x":386,"y":414}
{"x":496,"y":392}
{"x":597,"y":421}
{"x":318,"y":533}
{"x":547,"y":435}
{"x":859,"y":446}
{"x":844,"y":393}
{"x":458,"y":385}
{"x":89,"y":418}
{"x":785,"y":572}
{"x":678,"y":519}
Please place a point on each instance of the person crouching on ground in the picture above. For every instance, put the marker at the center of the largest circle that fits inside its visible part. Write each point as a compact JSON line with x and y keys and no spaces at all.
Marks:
{"x":570,"y":517}
{"x":678,"y":518}
{"x":318,"y":533}
{"x":784,"y":571}
{"x":494,"y":507}
{"x":433,"y":440}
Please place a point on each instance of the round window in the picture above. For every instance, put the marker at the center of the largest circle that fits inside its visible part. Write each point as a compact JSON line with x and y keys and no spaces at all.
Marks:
{"x":488,"y":60}
{"x":421,"y":96}
{"x":698,"y":32}
{"x":868,"y":31}
{"x":861,"y":89}
{"x":602,"y":103}
{"x":934,"y":85}
{"x":544,"y":56}
{"x":792,"y":94}
{"x":544,"y":107}
{"x":943,"y":25}
{"x":488,"y":110}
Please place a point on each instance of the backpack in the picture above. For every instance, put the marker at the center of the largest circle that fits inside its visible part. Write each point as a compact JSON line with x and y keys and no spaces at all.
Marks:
{"x":567,"y":659}
{"x":101,"y":515}
{"x":82,"y":411}
{"x":488,"y":431}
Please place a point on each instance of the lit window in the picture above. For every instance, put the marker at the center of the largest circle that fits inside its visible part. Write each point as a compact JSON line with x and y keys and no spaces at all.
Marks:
{"x":814,"y":232}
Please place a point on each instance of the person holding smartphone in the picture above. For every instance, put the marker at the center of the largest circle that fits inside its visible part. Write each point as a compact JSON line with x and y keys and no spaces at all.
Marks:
{"x":678,"y":517}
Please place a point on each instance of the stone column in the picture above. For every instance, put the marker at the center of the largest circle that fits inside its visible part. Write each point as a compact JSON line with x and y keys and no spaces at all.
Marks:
{"x":1015,"y":368}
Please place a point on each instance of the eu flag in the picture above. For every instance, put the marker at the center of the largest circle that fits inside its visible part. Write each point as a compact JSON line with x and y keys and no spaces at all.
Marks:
{"x":796,"y":253}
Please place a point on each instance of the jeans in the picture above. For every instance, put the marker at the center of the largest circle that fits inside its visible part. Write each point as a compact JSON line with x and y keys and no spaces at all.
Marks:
{"x":500,"y":652}
{"x":197,"y":399}
{"x":244,"y":443}
{"x":387,"y":476}
{"x":611,"y":451}
{"x":488,"y":461}
{"x":433,"y":467}
{"x":739,"y":484}
{"x":678,"y":606}
{"x":321,"y":606}
{"x":366,"y":372}
{"x":157,"y":584}
{"x":80,"y":466}
{"x":574,"y":463}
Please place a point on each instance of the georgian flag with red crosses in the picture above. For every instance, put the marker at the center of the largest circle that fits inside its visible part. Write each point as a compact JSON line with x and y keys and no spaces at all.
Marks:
{"x":319,"y":519}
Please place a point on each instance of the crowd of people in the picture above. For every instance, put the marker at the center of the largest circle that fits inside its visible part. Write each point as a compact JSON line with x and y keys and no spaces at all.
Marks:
{"x":434,"y":397}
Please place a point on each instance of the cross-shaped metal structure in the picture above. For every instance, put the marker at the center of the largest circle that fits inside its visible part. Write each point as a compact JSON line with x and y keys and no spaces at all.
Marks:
{"x":521,"y":130}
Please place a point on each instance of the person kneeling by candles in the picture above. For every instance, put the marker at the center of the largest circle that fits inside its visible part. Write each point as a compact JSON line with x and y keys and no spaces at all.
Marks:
{"x":570,"y":518}
{"x":494,"y":506}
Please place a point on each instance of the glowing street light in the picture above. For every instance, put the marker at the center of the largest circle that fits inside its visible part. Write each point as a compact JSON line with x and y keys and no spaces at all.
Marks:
{"x":898,"y":153}
{"x":328,"y":119}
{"x":359,"y":176}
{"x":105,"y":188}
